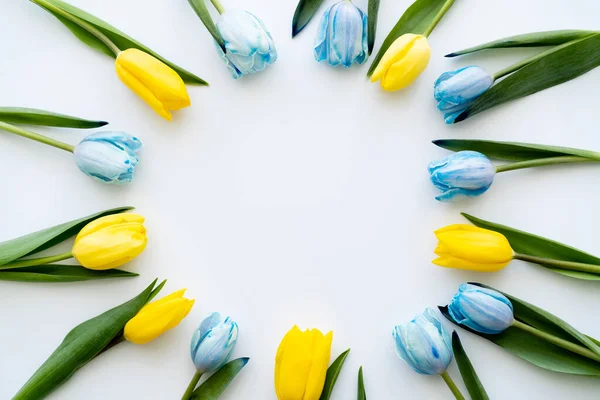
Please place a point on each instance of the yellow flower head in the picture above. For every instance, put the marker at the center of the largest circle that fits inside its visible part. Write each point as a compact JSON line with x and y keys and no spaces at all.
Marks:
{"x":301,"y":364}
{"x":472,"y":248}
{"x":156,"y":318}
{"x":110,"y":241}
{"x":154,"y":81}
{"x":403,"y":62}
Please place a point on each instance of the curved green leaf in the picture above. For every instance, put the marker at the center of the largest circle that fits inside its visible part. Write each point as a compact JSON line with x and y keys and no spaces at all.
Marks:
{"x":60,"y":273}
{"x":215,"y":385}
{"x":116,"y":36}
{"x":32,"y":116}
{"x":513,"y":151}
{"x":80,"y":346}
{"x":41,"y":240}
{"x":534,"y":39}
{"x":332,"y":375}
{"x":305,"y":10}
{"x":562,"y":64}
{"x":372,"y":16}
{"x":362,"y":394}
{"x":201,"y":10}
{"x":469,"y":376}
{"x":416,"y":19}
{"x":527,"y":243}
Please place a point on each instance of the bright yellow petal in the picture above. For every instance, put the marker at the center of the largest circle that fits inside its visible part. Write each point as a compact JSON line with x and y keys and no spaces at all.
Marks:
{"x":109,"y":220}
{"x":475,"y":244}
{"x":318,"y":371}
{"x":396,"y":51}
{"x":295,"y":364}
{"x":406,"y":69}
{"x":452,"y":262}
{"x":279,"y":358}
{"x":151,"y":307}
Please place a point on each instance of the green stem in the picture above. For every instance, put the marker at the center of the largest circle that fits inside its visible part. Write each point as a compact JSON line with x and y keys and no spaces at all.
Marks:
{"x":565,"y":344}
{"x":452,"y":386}
{"x":192,"y":386}
{"x":81,"y":23}
{"x":218,"y":6}
{"x":36,"y":136}
{"x":540,"y":162}
{"x":37,"y":261}
{"x":438,"y":17}
{"x":570,"y":265}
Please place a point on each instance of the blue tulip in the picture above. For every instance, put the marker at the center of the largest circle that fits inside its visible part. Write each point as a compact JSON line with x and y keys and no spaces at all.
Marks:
{"x":424,"y":344}
{"x":483,"y":310}
{"x":109,"y":157}
{"x":249,"y":46}
{"x":213,"y":342}
{"x":465,"y":173}
{"x":457,"y":90}
{"x":342,"y":35}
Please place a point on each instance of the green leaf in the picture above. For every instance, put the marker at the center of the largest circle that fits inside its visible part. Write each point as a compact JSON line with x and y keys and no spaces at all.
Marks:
{"x":537,"y":351}
{"x":305,"y":10}
{"x":32,"y":116}
{"x":534,"y":39}
{"x":201,"y":10}
{"x":564,"y":63}
{"x":469,"y":376}
{"x":513,"y":151}
{"x":362,"y":394}
{"x":416,"y":19}
{"x":527,"y":243}
{"x":120,"y":39}
{"x":215,"y":385}
{"x":60,"y":273}
{"x":80,"y":346}
{"x":372,"y":15}
{"x":41,"y":240}
{"x":332,"y":374}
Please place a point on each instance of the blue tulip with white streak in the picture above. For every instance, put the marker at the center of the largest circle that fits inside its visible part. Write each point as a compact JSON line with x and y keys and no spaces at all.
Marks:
{"x":213,"y":342}
{"x":424,"y":344}
{"x":342,"y":35}
{"x":456,"y":90}
{"x":110,"y":157}
{"x":249,"y":46}
{"x":462,"y":174}
{"x":481,"y":309}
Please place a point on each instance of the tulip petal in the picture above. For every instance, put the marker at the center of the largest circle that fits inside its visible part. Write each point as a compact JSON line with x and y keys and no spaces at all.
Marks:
{"x":397,"y":50}
{"x":321,"y":43}
{"x":318,"y":369}
{"x":408,"y":65}
{"x":109,"y":220}
{"x":481,"y":309}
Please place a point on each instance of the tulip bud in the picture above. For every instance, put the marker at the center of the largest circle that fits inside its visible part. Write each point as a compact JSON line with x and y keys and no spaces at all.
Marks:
{"x":152,"y":80}
{"x":481,"y":309}
{"x":424,"y":344}
{"x":403,"y":62}
{"x":213,"y":342}
{"x":472,"y":248}
{"x":342,"y":35}
{"x":456,"y":90}
{"x":249,"y":46}
{"x":110,"y":241}
{"x":109,"y":157}
{"x":157,"y":317}
{"x":301,"y":364}
{"x":462,"y":174}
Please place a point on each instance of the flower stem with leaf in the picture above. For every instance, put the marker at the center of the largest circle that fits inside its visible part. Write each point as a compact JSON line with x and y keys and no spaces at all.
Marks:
{"x":36,"y":136}
{"x":438,"y":17}
{"x":192,"y":386}
{"x":540,"y":162}
{"x":569,"y":265}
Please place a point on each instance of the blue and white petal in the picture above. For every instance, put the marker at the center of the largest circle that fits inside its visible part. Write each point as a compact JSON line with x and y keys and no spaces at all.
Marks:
{"x":481,"y":309}
{"x":213,"y":342}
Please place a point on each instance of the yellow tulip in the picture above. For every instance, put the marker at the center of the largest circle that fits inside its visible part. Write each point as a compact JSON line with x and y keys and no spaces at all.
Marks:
{"x":403,"y":62}
{"x":110,"y":241}
{"x":301,"y":364}
{"x":154,"y":81}
{"x":472,"y":248}
{"x":156,"y":318}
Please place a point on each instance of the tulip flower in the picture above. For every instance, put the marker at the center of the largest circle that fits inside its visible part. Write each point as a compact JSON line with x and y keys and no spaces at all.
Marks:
{"x":469,"y":247}
{"x":157,"y":317}
{"x":301,"y":364}
{"x":481,"y":309}
{"x":110,"y":241}
{"x":462,"y":174}
{"x":456,"y":90}
{"x":342,"y":35}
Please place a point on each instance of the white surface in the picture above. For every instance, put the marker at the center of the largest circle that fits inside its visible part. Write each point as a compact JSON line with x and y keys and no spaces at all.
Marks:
{"x":299,"y":195}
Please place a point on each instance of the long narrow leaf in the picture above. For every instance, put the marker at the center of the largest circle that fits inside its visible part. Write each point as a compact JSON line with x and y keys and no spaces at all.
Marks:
{"x":60,"y":273}
{"x":534,"y":39}
{"x":215,"y":385}
{"x":116,"y":36}
{"x":558,"y":67}
{"x":332,"y":375}
{"x":362,"y":393}
{"x":305,"y":10}
{"x":467,"y":372}
{"x":32,"y":116}
{"x":80,"y":346}
{"x":415,"y":20}
{"x":513,"y":151}
{"x":372,"y":16}
{"x":201,"y":10}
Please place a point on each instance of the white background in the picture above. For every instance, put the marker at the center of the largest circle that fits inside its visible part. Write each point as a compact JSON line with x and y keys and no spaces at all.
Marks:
{"x":296,"y":196}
